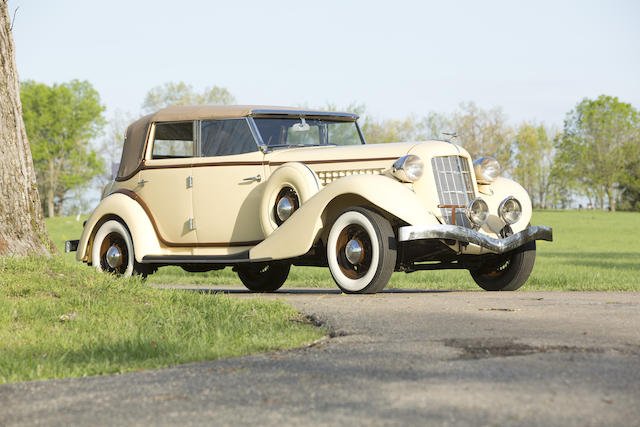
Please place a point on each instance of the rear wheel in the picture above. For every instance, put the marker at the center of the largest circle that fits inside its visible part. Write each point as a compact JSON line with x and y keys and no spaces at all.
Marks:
{"x":263,"y":277}
{"x":112,"y":251}
{"x":361,"y":251}
{"x":509,"y":272}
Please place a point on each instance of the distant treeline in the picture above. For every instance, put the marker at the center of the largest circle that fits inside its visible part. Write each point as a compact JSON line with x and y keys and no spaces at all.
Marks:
{"x":595,"y":156}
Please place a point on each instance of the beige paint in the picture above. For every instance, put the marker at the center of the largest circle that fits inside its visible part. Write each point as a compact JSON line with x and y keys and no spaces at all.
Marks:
{"x":225,"y":205}
{"x":169,"y":199}
{"x":142,"y":232}
{"x":357,"y":153}
{"x":296,"y":236}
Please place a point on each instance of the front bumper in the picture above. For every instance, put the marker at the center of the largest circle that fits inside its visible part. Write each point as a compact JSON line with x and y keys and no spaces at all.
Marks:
{"x":463,"y":234}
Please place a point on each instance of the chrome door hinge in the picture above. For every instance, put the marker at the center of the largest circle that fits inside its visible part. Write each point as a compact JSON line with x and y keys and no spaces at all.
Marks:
{"x":189,"y":181}
{"x":192,"y":224}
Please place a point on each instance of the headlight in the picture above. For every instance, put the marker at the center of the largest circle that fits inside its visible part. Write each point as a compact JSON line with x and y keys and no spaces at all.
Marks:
{"x":487,"y":169}
{"x":408,"y":168}
{"x":510,"y":210}
{"x":478,"y":212}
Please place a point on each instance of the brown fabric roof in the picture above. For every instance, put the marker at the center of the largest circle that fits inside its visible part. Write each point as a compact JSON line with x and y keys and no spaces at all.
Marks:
{"x":134,"y":146}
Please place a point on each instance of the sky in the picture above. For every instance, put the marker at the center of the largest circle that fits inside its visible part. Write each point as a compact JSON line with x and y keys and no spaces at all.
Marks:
{"x":536,"y":60}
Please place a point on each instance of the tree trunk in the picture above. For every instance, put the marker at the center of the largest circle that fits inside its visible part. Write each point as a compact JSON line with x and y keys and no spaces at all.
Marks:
{"x":50,"y":210}
{"x":612,"y":200}
{"x":22,"y":228}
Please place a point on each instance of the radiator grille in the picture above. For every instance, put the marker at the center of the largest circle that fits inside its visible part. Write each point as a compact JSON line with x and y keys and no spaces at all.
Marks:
{"x":453,"y":181}
{"x":327,"y":177}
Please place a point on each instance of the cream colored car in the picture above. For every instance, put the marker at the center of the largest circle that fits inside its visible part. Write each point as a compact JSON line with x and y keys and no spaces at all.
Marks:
{"x":262,"y":188}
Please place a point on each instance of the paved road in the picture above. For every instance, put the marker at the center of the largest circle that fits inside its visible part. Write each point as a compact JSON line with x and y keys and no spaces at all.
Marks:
{"x":396,"y":358}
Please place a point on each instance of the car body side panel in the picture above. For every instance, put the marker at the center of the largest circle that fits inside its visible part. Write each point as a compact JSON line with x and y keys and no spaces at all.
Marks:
{"x":297,"y":235}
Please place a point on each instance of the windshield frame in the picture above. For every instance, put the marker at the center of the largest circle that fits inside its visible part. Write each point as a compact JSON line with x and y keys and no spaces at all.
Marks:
{"x":325,"y":117}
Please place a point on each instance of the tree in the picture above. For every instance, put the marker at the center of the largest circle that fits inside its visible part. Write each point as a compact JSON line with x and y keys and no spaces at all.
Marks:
{"x":60,"y":121}
{"x":22,"y":228}
{"x":533,"y":162}
{"x":181,"y":93}
{"x":110,"y":147}
{"x":410,"y":128}
{"x":390,"y":130}
{"x":483,"y":132}
{"x":598,"y":135}
{"x":630,"y":181}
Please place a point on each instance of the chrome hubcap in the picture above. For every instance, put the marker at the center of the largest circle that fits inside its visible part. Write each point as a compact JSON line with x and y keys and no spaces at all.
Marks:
{"x":354,"y":251}
{"x":114,"y":257}
{"x":284,"y":208}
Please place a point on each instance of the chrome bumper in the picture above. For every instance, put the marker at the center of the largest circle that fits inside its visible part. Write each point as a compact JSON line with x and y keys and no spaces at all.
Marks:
{"x":462,"y":234}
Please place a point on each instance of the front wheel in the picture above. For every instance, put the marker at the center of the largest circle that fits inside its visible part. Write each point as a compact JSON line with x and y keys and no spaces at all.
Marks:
{"x":361,"y":251}
{"x":509,"y":272}
{"x":263,"y":277}
{"x":112,"y":251}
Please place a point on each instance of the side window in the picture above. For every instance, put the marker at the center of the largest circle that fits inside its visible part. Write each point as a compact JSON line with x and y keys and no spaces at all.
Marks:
{"x":226,"y":137}
{"x":173,"y":140}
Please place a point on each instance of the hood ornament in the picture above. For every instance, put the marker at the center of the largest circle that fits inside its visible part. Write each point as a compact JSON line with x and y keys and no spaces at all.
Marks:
{"x":451,"y":136}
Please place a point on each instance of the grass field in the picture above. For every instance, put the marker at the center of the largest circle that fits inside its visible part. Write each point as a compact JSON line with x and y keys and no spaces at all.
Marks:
{"x":60,"y":318}
{"x":592,"y":250}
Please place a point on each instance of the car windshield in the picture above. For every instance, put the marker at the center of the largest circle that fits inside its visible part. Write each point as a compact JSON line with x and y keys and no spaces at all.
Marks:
{"x":296,"y":132}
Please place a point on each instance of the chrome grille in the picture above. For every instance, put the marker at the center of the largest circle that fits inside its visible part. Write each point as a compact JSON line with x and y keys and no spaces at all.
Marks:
{"x":327,"y":177}
{"x":453,"y":181}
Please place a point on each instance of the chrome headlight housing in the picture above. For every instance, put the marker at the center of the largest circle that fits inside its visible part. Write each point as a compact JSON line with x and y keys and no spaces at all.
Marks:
{"x":510,"y":210}
{"x":487,"y":170}
{"x":478,"y":212}
{"x":408,"y":168}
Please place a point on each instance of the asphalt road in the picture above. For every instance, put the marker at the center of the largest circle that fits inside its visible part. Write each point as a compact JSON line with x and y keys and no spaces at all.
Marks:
{"x":396,"y":358}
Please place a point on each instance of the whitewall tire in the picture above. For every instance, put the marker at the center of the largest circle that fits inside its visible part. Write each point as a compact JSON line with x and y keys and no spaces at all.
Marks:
{"x":361,"y":251}
{"x":112,"y":249}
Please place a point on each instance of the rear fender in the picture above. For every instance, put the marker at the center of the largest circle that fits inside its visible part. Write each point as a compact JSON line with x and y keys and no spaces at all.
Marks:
{"x":124,"y":208}
{"x":298,"y":233}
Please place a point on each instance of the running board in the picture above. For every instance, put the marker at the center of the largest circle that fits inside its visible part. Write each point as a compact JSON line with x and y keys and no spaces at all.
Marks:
{"x":201,"y":259}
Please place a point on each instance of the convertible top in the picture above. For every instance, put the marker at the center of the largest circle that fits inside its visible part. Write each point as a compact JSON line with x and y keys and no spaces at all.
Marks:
{"x":136,"y":137}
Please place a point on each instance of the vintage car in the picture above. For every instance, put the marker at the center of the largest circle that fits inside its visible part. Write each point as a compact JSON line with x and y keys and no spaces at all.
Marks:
{"x":263,"y":188}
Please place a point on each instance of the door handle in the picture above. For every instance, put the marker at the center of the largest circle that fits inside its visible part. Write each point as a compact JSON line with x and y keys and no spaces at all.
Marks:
{"x":256,"y":178}
{"x":143,"y":182}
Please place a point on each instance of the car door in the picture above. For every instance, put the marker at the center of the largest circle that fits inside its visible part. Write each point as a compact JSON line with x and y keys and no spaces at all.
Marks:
{"x":165,"y":183}
{"x":227,"y":179}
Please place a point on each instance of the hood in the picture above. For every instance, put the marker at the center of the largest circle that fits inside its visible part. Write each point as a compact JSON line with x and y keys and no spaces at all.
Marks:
{"x":358,"y":156}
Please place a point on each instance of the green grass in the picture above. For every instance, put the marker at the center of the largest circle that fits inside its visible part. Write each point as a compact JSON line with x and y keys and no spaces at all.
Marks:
{"x":592,"y":250}
{"x":59,"y":319}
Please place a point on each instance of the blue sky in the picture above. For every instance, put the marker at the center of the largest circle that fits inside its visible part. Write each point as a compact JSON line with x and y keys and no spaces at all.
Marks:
{"x":535,"y":59}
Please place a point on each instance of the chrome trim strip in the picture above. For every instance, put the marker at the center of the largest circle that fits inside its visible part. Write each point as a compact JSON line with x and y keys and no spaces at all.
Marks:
{"x":463,"y":234}
{"x":256,"y":134}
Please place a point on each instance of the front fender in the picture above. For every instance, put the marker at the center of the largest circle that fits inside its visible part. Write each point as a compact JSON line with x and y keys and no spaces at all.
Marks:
{"x":135,"y":218}
{"x":494,"y":194}
{"x":296,"y":235}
